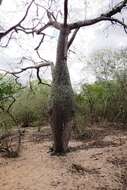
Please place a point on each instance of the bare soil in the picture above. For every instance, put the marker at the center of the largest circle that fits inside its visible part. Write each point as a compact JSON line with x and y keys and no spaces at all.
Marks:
{"x":96,"y":163}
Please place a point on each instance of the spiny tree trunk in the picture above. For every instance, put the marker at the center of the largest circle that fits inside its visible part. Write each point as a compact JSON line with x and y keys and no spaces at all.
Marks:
{"x":62,"y":100}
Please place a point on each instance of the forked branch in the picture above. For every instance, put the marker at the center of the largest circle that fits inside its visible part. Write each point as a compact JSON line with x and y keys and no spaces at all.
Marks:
{"x":35,"y":67}
{"x":14,"y":28}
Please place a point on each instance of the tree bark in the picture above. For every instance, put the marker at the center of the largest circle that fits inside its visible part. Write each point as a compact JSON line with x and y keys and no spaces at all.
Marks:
{"x":62,"y":98}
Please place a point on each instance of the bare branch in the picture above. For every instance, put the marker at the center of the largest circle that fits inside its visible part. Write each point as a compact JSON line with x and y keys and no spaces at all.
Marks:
{"x":7,"y":43}
{"x":39,"y":78}
{"x":72,"y":38}
{"x":2,"y":34}
{"x":104,"y":17}
{"x":117,"y":9}
{"x":43,"y":28}
{"x":29,"y":68}
{"x":36,"y":67}
{"x":94,"y":21}
{"x":52,"y":22}
{"x":51,"y":17}
{"x":42,"y":39}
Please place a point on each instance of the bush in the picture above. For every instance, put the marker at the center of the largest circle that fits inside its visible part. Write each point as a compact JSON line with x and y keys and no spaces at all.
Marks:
{"x":32,"y":106}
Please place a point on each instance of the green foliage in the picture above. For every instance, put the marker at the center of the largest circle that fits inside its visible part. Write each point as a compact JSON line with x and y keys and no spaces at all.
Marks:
{"x":106,"y":99}
{"x":32,"y":105}
{"x":7,"y":86}
{"x":6,"y":123}
{"x":8,"y":89}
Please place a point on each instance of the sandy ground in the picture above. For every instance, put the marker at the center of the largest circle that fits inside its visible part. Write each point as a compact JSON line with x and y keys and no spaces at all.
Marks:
{"x":91,"y":165}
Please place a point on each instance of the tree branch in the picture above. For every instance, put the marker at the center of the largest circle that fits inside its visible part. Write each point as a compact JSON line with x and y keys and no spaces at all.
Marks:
{"x":104,"y":17}
{"x":37,"y":67}
{"x":117,"y":9}
{"x":65,"y":12}
{"x":43,"y":60}
{"x":39,"y":78}
{"x":27,"y":68}
{"x":52,"y":22}
{"x":43,"y":28}
{"x":94,"y":21}
{"x":2,"y":34}
{"x":72,"y":38}
{"x":41,"y":41}
{"x":7,"y":43}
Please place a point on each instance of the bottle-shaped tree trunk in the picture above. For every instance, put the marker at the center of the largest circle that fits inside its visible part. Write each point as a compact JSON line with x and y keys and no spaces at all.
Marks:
{"x":62,"y":98}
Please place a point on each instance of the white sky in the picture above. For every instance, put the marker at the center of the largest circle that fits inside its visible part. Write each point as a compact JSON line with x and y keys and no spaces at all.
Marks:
{"x":88,"y":39}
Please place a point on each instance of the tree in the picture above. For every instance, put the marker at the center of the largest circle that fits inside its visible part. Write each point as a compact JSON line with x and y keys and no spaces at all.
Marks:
{"x":107,"y":63}
{"x":61,"y":102}
{"x":107,"y":96}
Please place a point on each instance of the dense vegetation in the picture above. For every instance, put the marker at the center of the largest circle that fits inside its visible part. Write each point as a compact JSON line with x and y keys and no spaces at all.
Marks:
{"x":22,"y":106}
{"x":104,"y":100}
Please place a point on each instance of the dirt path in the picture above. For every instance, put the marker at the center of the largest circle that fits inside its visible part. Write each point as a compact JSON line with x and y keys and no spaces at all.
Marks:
{"x":86,"y":167}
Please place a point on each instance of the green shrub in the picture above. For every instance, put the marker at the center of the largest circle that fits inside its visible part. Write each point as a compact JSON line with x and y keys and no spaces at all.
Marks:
{"x":32,"y":106}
